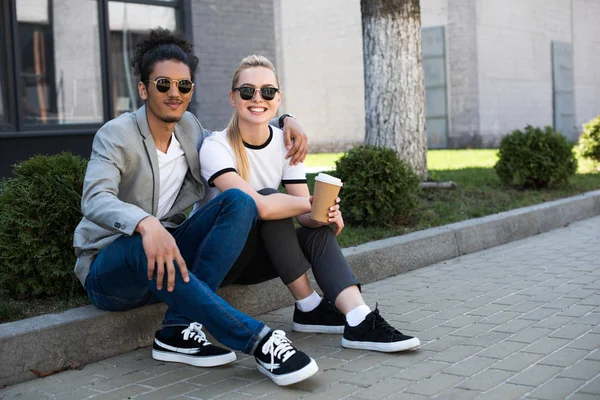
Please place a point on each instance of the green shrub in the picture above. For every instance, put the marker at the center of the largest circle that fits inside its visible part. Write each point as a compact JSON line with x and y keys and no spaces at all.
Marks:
{"x":39,"y":210}
{"x":535,"y":158}
{"x":589,"y":142}
{"x":379,"y":189}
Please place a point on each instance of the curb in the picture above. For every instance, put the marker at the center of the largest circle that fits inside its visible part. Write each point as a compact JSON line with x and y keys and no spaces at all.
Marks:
{"x":87,"y":334}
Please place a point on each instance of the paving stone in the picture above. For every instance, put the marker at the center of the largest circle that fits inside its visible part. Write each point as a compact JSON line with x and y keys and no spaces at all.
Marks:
{"x":590,"y":319}
{"x":571,"y":331}
{"x":457,"y":353}
{"x":220,"y":388}
{"x":486,"y":339}
{"x":502,"y":350}
{"x":514,"y":326}
{"x":592,"y":387}
{"x":536,"y":375}
{"x":546,"y":346}
{"x":517,"y":362}
{"x":485,"y":380}
{"x":457,"y":394}
{"x":435,"y":385}
{"x":589,"y":341}
{"x":577,"y":310}
{"x":564,"y":357}
{"x":410,"y":358}
{"x":462,"y":321}
{"x":168,"y":391}
{"x":556,"y":389}
{"x":435,"y":333}
{"x":530,"y":335}
{"x":443,"y":343}
{"x":539,"y":314}
{"x":555,"y":321}
{"x":506,"y":391}
{"x":470,"y":366}
{"x":584,"y":370}
{"x":123,"y":393}
{"x":501,"y":317}
{"x":384,"y":389}
{"x":583,"y":396}
{"x":474,"y":330}
{"x":372,"y":376}
{"x":336,"y":391}
{"x":422,"y":370}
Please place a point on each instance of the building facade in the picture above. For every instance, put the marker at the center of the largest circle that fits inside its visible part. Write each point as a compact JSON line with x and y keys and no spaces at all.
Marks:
{"x":490,"y":67}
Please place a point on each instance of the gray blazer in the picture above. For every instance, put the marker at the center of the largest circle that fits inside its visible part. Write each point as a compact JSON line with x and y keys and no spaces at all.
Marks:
{"x":121,"y":184}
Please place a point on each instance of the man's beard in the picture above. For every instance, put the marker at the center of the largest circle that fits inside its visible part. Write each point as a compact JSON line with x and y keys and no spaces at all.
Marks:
{"x":170,"y":119}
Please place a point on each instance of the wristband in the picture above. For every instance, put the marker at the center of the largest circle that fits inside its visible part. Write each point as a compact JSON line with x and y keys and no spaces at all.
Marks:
{"x":283,"y":116}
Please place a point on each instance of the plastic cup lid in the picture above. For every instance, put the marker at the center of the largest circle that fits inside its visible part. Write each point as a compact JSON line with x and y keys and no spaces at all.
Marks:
{"x":329,"y":179}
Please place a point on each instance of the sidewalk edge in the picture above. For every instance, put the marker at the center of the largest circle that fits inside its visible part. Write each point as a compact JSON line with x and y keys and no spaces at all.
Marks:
{"x":87,"y":334}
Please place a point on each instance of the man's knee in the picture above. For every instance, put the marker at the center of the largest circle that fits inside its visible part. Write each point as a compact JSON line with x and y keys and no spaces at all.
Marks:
{"x":240,"y":199}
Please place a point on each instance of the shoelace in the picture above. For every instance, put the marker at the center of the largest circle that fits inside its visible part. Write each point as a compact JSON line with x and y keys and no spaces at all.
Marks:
{"x":382,"y":324}
{"x":194,"y":332}
{"x":279,"y":346}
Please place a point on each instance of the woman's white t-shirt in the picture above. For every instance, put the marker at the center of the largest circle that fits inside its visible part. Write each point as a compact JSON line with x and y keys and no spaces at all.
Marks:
{"x":268,"y":166}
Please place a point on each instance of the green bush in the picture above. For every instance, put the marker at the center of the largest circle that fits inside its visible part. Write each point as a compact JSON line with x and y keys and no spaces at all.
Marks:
{"x":535,"y":158}
{"x":589,"y":142}
{"x":39,"y":210}
{"x":379,"y":189}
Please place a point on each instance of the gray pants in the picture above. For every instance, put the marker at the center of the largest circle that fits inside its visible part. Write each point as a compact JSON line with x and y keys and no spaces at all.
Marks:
{"x":276,"y":248}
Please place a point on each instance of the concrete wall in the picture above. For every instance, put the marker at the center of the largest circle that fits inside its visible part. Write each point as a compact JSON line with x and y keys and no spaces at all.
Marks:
{"x":224,"y":32}
{"x":515,"y":65}
{"x":321,"y":67}
{"x":586,"y":55}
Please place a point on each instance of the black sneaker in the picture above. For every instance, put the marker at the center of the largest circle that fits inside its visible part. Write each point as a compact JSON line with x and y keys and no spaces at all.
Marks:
{"x":189,"y":346}
{"x":323,"y":319}
{"x":283,"y":363}
{"x":374,"y":333}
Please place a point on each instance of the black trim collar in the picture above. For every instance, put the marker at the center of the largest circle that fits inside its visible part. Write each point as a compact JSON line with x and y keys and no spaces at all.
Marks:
{"x":261,"y":146}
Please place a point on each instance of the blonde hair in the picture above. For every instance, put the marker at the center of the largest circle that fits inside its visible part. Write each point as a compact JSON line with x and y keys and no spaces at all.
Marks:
{"x":234,"y":137}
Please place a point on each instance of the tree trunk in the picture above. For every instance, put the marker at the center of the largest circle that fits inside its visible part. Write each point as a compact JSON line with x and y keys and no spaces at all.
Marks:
{"x":394,"y":88}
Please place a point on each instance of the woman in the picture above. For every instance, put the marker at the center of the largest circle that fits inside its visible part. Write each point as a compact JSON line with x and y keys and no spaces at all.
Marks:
{"x":249,"y":155}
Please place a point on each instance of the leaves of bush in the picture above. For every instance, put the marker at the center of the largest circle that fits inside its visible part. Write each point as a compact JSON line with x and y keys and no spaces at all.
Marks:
{"x":39,"y":210}
{"x":379,"y":189}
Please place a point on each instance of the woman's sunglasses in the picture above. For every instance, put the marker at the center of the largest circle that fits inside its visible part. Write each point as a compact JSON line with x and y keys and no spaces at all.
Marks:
{"x":247,"y":92}
{"x":164,"y":84}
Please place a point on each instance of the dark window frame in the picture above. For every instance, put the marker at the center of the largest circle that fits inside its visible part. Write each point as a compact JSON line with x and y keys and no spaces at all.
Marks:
{"x":16,"y":128}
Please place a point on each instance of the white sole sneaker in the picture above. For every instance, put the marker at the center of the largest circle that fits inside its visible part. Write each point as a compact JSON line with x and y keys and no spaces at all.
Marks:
{"x":196,"y":361}
{"x":293,"y":377}
{"x":296,"y":327}
{"x":390,"y":347}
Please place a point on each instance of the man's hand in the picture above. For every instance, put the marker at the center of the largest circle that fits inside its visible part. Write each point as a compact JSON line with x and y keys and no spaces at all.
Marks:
{"x":292,"y":131}
{"x":161,"y":250}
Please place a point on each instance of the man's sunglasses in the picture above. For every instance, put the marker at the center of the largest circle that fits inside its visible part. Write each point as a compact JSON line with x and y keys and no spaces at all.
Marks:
{"x":247,"y":92}
{"x":164,"y":84}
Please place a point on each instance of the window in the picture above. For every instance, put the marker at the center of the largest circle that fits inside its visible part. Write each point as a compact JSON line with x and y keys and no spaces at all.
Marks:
{"x":3,"y":73}
{"x":59,"y":80}
{"x":128,"y":24}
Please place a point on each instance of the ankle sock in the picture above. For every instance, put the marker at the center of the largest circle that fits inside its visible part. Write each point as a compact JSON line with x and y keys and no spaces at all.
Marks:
{"x":309,"y":303}
{"x":357,"y":315}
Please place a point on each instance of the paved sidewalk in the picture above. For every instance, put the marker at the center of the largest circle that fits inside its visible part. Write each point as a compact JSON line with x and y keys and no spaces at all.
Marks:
{"x":520,"y":320}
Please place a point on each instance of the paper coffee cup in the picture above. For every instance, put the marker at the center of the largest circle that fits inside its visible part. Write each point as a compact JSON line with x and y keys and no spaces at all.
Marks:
{"x":327,"y":188}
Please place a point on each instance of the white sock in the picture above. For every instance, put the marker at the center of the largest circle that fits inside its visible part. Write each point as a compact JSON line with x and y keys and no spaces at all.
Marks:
{"x":309,"y":303}
{"x":357,"y":315}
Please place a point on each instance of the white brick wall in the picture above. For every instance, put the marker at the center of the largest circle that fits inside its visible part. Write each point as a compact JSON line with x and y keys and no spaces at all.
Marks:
{"x":586,"y":55}
{"x":321,"y":67}
{"x":499,"y":65}
{"x":515,"y":64}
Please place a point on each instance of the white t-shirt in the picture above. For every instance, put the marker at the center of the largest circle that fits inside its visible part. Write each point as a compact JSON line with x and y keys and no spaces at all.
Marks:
{"x":172,"y":167}
{"x":268,"y":166}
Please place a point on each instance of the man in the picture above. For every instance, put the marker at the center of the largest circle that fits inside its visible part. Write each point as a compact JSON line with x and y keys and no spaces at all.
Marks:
{"x":134,"y":244}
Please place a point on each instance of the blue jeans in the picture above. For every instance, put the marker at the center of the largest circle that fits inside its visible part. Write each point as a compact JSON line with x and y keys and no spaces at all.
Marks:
{"x":210,"y":241}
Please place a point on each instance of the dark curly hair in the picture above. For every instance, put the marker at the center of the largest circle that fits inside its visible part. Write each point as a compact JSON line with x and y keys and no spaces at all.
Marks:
{"x":160,"y":45}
